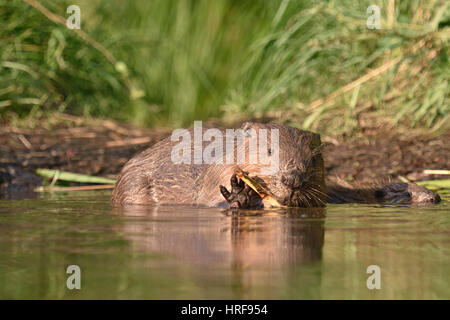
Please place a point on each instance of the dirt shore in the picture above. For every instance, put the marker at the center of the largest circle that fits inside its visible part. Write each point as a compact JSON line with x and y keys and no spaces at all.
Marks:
{"x":103,"y":148}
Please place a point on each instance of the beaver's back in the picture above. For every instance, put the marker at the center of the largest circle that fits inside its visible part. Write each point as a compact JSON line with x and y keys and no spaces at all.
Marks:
{"x":151,"y":177}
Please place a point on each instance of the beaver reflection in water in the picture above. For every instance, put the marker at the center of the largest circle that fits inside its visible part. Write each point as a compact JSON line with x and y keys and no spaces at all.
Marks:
{"x":152,"y":177}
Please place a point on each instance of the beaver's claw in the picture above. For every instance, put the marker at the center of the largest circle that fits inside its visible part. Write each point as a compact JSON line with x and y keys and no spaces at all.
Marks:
{"x":241,"y":195}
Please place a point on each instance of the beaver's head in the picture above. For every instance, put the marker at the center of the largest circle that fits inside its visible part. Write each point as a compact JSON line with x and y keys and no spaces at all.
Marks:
{"x":294,"y":176}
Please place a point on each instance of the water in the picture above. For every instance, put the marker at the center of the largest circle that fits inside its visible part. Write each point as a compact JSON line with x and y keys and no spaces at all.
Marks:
{"x":192,"y":253}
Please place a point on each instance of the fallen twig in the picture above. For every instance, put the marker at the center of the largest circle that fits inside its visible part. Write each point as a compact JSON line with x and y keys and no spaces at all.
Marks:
{"x":126,"y":142}
{"x":436,"y":171}
{"x":25,"y":141}
{"x":77,"y":188}
{"x":73,"y":177}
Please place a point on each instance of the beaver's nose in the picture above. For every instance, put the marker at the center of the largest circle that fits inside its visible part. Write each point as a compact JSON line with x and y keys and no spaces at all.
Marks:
{"x":293,"y":179}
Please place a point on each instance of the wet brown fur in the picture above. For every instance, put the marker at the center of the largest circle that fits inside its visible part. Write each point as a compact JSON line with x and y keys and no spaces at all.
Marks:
{"x":151,"y":177}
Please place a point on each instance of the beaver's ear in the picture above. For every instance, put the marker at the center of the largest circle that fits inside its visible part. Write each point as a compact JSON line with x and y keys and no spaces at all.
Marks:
{"x":247,"y":125}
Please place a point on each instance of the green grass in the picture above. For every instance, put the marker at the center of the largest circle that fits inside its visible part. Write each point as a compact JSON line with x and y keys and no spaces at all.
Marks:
{"x":180,"y":61}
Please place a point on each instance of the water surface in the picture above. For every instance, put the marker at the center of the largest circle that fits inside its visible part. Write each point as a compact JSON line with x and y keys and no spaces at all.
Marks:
{"x":207,"y":253}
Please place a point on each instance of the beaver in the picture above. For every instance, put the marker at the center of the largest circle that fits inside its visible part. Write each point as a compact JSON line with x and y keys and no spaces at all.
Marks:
{"x":153,"y":176}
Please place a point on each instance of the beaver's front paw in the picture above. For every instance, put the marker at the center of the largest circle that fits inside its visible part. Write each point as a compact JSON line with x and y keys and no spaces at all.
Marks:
{"x":241,"y":195}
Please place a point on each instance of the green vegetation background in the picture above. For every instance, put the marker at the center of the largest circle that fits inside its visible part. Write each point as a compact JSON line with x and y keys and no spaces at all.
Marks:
{"x":313,"y":64}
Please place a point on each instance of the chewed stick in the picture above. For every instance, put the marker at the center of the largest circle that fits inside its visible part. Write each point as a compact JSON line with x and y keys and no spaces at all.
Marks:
{"x":260,"y":190}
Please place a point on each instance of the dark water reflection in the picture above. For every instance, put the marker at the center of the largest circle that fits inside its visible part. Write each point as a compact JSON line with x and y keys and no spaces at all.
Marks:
{"x":208,"y":236}
{"x":182,"y":252}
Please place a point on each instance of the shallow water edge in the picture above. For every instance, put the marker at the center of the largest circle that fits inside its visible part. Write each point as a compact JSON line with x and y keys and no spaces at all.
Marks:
{"x":167,"y":252}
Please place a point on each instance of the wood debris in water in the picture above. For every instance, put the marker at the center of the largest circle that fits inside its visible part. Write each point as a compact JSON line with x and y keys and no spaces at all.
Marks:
{"x":260,"y":190}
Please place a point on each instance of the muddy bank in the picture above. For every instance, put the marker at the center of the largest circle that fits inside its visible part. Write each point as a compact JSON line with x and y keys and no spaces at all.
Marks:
{"x":94,"y":150}
{"x":388,"y":155}
{"x":102,"y":149}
